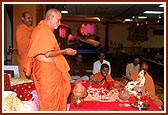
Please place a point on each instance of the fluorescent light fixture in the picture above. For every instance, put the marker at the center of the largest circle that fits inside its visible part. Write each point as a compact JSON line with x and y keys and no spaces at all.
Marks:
{"x":64,"y":12}
{"x":128,"y":20}
{"x":153,"y":12}
{"x":142,"y":17}
{"x":162,"y":5}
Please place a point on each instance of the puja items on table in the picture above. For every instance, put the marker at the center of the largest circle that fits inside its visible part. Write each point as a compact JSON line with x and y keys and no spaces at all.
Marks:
{"x":79,"y":93}
{"x":79,"y":89}
{"x":111,"y":91}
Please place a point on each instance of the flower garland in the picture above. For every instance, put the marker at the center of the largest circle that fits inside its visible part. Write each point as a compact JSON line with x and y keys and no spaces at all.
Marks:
{"x":139,"y":82}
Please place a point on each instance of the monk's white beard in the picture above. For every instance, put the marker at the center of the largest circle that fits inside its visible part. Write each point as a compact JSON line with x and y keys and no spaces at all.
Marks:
{"x":56,"y":27}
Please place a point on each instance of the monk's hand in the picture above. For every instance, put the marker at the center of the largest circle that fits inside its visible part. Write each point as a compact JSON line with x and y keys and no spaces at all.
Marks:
{"x":70,"y":51}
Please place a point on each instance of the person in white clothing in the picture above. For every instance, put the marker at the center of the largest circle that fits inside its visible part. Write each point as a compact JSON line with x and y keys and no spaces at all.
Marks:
{"x":97,"y":64}
{"x":132,"y":67}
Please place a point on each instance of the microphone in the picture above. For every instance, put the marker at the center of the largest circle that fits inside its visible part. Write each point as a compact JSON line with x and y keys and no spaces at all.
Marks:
{"x":104,"y":76}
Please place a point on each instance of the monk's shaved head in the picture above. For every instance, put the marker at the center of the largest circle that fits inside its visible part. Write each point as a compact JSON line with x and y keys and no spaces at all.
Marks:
{"x":53,"y":18}
{"x":144,"y":66}
{"x":51,"y":12}
{"x":27,"y":18}
{"x":25,"y":13}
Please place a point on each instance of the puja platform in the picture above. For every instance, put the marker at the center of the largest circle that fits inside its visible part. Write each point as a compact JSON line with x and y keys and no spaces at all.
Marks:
{"x":103,"y":98}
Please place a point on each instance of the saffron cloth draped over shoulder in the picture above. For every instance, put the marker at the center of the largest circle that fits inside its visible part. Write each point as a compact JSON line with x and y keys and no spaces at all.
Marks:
{"x":23,"y":33}
{"x":43,"y":42}
{"x":149,"y":86}
{"x":98,"y":76}
{"x":52,"y":80}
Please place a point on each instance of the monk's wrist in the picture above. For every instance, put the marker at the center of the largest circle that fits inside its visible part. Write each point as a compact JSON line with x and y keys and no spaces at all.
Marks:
{"x":64,"y":51}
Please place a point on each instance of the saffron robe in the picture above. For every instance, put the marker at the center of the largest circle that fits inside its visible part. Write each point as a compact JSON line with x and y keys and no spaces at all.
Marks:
{"x":98,"y":76}
{"x":52,"y":81}
{"x":149,"y":86}
{"x":23,"y":33}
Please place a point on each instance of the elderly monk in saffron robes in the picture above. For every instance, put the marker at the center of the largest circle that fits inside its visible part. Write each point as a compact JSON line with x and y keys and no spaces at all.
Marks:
{"x":103,"y":76}
{"x":48,"y":65}
{"x":148,"y":85}
{"x":23,"y":33}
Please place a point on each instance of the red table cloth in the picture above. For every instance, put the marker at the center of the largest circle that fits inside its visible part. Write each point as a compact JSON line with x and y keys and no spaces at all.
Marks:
{"x":110,"y":106}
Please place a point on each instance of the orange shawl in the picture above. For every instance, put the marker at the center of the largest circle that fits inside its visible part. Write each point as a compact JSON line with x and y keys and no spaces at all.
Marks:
{"x":23,"y":33}
{"x":98,"y":76}
{"x":52,"y":81}
{"x":43,"y":40}
{"x":149,"y":86}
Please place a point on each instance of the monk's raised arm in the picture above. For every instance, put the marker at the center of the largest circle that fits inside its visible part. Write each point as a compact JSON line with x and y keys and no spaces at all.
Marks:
{"x":67,"y":51}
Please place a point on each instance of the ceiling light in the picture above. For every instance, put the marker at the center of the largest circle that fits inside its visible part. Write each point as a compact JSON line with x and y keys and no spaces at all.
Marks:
{"x":162,"y":5}
{"x":133,"y":16}
{"x":142,"y":17}
{"x":64,"y":12}
{"x":137,"y":24}
{"x":128,"y":20}
{"x":153,"y":12}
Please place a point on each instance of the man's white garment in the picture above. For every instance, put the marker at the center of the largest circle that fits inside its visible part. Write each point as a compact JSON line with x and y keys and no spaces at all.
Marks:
{"x":76,"y":77}
{"x":131,"y":68}
{"x":97,"y":66}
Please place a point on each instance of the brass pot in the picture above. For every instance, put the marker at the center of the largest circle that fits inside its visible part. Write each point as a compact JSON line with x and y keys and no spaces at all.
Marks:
{"x":78,"y":101}
{"x":123,"y":94}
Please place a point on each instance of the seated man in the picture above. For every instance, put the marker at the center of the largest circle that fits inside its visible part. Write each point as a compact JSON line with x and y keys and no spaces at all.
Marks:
{"x":103,"y":76}
{"x":148,"y":84}
{"x":77,"y":69}
{"x":132,"y":67}
{"x":97,"y":64}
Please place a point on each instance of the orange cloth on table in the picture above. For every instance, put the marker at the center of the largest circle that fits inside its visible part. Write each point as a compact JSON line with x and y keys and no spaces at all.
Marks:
{"x":98,"y":76}
{"x":52,"y":81}
{"x":23,"y":33}
{"x":149,"y":86}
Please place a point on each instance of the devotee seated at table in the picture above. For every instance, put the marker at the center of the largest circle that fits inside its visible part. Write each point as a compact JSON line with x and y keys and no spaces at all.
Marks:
{"x":103,"y":76}
{"x":132,"y":67}
{"x":97,"y":64}
{"x":77,"y":69}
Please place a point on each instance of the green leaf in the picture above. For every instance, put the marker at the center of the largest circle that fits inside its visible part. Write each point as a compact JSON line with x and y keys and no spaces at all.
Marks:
{"x":76,"y":97}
